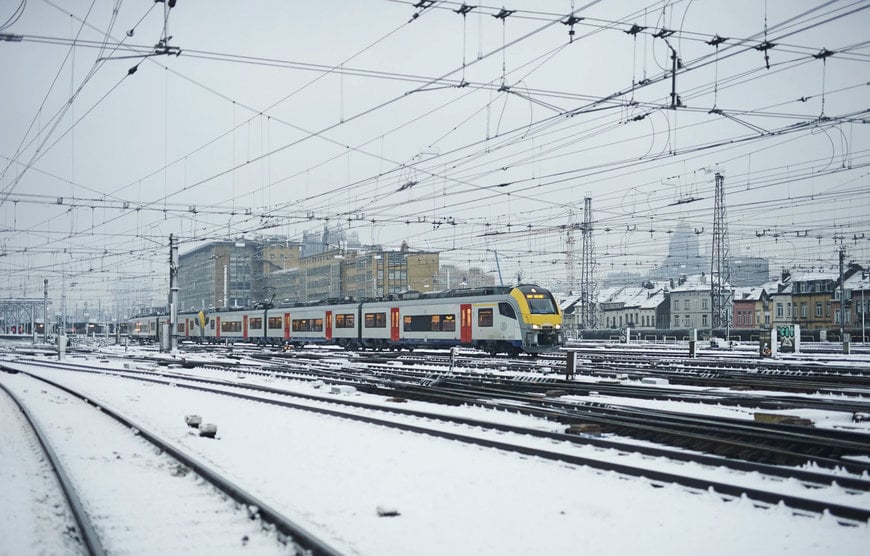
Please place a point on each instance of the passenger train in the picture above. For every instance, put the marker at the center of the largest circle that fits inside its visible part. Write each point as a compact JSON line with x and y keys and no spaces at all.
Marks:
{"x":497,"y":319}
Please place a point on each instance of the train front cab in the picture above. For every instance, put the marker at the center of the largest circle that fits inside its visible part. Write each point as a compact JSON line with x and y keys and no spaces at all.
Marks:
{"x":540,"y":319}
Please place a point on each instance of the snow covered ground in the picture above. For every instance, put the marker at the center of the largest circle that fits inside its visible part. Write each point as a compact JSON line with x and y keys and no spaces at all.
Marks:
{"x":331,"y":475}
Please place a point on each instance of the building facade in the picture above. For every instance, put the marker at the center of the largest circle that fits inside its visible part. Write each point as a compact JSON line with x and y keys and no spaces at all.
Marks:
{"x":218,"y":275}
{"x":241,"y":273}
{"x":751,"y":308}
{"x":690,"y":303}
{"x":811,"y":297}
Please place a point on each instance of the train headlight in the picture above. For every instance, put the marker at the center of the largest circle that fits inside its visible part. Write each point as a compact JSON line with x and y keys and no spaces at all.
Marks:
{"x":536,"y":327}
{"x":558,"y":327}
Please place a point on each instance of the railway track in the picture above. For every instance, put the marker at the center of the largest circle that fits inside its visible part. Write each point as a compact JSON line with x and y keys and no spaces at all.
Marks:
{"x":102,"y":483}
{"x":611,"y":383}
{"x":535,"y":439}
{"x":783,"y":444}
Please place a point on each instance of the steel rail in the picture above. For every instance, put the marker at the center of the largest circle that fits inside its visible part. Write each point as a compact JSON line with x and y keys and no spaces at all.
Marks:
{"x":296,"y":533}
{"x":89,"y":535}
{"x":798,"y":503}
{"x":648,"y":421}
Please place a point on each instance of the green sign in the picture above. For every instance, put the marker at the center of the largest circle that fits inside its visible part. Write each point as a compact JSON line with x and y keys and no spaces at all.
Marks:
{"x":786,"y":331}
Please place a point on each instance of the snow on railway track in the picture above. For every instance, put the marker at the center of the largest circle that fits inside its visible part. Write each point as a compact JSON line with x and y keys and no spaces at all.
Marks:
{"x":134,"y":497}
{"x":806,"y":494}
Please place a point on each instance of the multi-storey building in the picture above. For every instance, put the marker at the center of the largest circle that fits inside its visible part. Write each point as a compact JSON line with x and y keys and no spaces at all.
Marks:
{"x":857,"y":313}
{"x":240,"y":273}
{"x":782,"y":308}
{"x":751,"y":308}
{"x":633,"y":307}
{"x":813,"y":297}
{"x":690,"y":303}
{"x":749,"y":271}
{"x":219,"y":274}
{"x":452,"y":276}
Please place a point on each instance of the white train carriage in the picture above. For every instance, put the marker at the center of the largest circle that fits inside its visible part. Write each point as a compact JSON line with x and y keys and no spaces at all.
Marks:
{"x":495,"y":319}
{"x":379,"y":325}
{"x":192,"y":327}
{"x":147,"y":328}
{"x":230,"y":326}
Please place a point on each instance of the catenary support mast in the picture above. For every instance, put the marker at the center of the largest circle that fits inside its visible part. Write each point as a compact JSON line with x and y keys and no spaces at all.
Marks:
{"x":720,"y":274}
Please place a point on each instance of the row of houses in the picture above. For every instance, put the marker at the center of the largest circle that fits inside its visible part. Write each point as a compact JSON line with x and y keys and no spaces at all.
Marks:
{"x":810,"y":299}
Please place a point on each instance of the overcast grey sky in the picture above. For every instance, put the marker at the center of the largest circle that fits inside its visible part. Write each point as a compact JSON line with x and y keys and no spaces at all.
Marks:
{"x":462,"y":134}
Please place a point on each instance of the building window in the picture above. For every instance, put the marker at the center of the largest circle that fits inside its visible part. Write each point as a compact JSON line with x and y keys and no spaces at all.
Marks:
{"x":686,"y":304}
{"x":779,"y":311}
{"x":704,"y":319}
{"x":828,"y":309}
{"x":704,"y":304}
{"x":818,"y":309}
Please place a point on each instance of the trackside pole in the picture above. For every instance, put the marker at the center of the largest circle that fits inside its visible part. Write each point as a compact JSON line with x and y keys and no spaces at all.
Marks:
{"x":61,"y":347}
{"x":570,"y":364}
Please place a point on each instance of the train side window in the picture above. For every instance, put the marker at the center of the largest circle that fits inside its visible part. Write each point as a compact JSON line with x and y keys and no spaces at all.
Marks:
{"x":211,"y":323}
{"x":274,"y":323}
{"x":507,"y":310}
{"x":375,"y":320}
{"x":344,"y":320}
{"x":448,"y":323}
{"x":256,"y":323}
{"x":429,"y":323}
{"x":317,"y":325}
{"x":231,"y":326}
{"x":484,"y":318}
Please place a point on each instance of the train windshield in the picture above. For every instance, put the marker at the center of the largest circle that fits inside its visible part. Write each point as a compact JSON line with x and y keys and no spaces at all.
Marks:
{"x":540,"y":301}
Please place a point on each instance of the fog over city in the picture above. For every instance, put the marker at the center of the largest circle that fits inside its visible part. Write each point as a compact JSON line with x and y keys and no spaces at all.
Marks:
{"x":475,"y":131}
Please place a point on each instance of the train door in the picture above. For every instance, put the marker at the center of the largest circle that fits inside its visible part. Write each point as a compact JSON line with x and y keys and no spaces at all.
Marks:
{"x":465,"y":323}
{"x":394,"y":324}
{"x":328,"y":326}
{"x":217,"y":327}
{"x":244,"y":327}
{"x":286,"y":326}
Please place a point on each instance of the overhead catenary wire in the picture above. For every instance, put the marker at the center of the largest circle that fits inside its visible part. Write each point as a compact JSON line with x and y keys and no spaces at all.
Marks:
{"x":520,"y":159}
